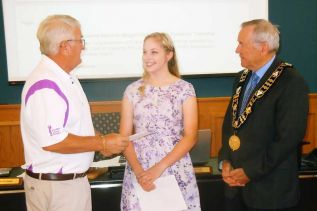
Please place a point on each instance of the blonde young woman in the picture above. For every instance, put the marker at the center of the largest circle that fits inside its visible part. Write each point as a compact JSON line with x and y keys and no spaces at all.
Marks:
{"x":165,"y":105}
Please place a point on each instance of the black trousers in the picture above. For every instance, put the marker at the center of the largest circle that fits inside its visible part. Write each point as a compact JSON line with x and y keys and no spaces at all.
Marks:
{"x":237,"y":204}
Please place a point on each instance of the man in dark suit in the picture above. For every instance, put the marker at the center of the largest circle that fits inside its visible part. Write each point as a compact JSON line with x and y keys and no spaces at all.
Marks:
{"x":263,"y":126}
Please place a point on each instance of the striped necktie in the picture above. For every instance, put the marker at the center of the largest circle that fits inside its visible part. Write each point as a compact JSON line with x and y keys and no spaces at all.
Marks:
{"x":251,"y":85}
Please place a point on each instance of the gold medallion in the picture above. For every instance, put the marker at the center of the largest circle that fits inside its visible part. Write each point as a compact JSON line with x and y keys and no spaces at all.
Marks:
{"x":234,"y":142}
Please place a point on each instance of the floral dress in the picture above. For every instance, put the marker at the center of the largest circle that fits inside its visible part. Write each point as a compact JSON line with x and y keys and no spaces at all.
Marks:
{"x":159,"y":110}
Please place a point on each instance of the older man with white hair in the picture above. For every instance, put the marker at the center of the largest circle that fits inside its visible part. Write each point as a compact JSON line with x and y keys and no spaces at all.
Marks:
{"x":263,"y":126}
{"x":56,"y":125}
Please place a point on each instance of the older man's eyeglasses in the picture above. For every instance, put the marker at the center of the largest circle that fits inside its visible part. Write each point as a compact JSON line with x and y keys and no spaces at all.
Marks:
{"x":82,"y":40}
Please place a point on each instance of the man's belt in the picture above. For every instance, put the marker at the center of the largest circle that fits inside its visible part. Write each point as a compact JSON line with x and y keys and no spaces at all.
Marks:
{"x":54,"y":177}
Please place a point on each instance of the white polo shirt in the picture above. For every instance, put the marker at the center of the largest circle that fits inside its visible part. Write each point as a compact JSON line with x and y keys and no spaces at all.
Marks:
{"x":53,"y":104}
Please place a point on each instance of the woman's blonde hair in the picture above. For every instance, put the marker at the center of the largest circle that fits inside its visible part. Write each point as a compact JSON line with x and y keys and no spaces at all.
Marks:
{"x":168,"y":46}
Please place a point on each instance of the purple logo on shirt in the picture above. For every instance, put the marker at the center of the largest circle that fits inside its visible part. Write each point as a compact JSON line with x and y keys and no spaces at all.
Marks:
{"x":53,"y":131}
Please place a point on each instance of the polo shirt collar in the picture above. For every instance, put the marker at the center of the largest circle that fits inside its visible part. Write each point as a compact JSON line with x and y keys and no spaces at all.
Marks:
{"x":56,"y":69}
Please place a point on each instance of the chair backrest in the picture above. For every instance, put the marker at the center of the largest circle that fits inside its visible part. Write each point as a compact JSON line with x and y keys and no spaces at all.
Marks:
{"x":106,"y":122}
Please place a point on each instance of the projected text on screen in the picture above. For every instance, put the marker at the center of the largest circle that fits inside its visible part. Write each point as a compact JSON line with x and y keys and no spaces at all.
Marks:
{"x":204,"y":33}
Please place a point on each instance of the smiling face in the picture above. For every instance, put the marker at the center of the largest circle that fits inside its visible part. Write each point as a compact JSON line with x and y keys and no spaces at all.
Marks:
{"x":250,"y":52}
{"x":155,"y":58}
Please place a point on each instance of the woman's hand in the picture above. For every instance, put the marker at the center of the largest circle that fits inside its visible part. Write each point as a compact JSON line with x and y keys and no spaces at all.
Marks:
{"x":146,"y":178}
{"x":145,"y":184}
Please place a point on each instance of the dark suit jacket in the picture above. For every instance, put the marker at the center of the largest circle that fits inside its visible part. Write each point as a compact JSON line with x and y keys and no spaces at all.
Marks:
{"x":269,"y":141}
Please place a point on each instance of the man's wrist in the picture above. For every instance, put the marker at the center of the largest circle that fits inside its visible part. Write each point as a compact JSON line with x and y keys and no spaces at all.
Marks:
{"x":103,"y":141}
{"x":221,"y":163}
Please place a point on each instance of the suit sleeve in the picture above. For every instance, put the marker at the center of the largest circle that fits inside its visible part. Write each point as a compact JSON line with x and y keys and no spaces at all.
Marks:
{"x":291,"y":111}
{"x":224,"y":152}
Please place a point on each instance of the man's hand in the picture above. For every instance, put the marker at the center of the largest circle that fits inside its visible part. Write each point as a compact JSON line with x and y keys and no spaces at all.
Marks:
{"x":233,"y":177}
{"x":106,"y":154}
{"x":226,"y":168}
{"x":114,"y":144}
{"x":239,"y":176}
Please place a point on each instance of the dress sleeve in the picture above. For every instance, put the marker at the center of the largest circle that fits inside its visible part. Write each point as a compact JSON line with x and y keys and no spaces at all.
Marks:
{"x":188,"y":91}
{"x":131,"y":91}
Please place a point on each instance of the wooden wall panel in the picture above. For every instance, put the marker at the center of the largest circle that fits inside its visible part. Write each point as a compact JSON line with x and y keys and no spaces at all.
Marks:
{"x":105,"y":106}
{"x":11,"y":147}
{"x":311,"y":132}
{"x":211,"y":114}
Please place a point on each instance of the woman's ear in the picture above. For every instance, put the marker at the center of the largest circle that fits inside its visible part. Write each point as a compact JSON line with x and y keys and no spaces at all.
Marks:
{"x":170,"y":55}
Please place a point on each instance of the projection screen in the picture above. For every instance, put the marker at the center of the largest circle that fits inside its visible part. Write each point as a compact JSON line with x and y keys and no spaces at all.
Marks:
{"x":204,"y":33}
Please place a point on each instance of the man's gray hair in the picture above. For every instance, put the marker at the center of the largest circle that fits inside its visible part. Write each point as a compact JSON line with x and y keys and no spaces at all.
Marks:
{"x":265,"y":31}
{"x":53,"y":30}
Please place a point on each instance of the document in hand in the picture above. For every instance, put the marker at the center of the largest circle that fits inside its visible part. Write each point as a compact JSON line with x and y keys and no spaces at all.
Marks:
{"x":166,"y":196}
{"x":137,"y":136}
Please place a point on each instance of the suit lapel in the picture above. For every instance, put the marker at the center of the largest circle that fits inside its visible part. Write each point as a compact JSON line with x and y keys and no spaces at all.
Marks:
{"x":266,"y":75}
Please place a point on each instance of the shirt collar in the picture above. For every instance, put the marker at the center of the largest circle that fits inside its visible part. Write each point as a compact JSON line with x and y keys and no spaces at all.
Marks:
{"x":260,"y":72}
{"x":58,"y":70}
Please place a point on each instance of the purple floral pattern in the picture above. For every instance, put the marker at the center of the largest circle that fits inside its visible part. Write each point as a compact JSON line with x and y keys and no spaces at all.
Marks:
{"x":159,"y":110}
